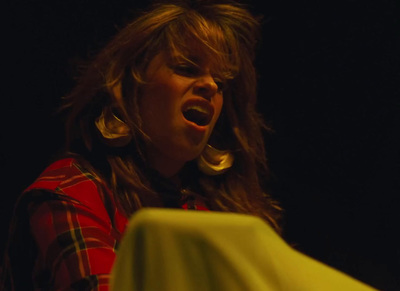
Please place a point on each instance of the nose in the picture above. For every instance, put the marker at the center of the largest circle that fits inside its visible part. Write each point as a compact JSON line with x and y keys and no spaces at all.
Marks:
{"x":205,"y":86}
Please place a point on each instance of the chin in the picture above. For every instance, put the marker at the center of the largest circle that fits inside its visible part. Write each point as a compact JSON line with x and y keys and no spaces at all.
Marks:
{"x":191,"y":153}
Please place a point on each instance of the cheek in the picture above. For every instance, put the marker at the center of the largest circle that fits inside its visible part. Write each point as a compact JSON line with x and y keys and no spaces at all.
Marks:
{"x":153,"y":98}
{"x":219,"y":102}
{"x":159,"y":108}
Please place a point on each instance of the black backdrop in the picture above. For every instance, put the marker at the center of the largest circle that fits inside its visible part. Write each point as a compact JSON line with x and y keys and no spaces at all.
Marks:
{"x":329,"y":87}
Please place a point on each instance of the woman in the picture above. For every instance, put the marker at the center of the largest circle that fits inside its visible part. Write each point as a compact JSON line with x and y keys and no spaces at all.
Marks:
{"x":163,"y":117}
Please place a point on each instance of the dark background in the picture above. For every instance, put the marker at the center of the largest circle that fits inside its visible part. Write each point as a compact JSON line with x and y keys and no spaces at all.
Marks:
{"x":329,"y":87}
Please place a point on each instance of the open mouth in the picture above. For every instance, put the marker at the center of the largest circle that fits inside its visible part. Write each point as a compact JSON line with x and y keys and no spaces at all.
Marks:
{"x":200,"y":113}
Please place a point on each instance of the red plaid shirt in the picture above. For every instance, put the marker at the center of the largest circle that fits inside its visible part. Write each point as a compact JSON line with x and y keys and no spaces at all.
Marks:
{"x":75,"y":227}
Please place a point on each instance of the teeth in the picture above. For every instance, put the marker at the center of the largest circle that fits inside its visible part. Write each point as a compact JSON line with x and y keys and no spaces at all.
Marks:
{"x":198,"y":108}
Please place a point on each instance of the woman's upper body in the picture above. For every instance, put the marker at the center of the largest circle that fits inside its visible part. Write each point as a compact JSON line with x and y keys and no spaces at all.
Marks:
{"x":76,"y":227}
{"x":164,"y":116}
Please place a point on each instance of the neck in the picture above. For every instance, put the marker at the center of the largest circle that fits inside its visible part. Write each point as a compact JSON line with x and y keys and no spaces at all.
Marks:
{"x":167,"y":168}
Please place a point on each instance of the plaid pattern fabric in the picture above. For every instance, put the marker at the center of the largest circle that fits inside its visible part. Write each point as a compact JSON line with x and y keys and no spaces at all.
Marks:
{"x":73,"y":228}
{"x":74,"y":233}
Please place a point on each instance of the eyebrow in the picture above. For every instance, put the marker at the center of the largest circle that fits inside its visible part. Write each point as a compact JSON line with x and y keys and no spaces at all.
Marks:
{"x":201,"y":59}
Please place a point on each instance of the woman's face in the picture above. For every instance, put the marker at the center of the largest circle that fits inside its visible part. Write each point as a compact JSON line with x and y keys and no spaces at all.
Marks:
{"x":179,"y":107}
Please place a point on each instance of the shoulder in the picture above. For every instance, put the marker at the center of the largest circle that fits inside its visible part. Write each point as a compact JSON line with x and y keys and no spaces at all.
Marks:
{"x":70,"y":181}
{"x":67,"y":179}
{"x":62,"y":174}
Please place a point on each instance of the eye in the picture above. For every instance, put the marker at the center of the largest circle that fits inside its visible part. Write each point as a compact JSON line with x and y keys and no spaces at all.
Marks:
{"x":220,"y":84}
{"x":186,"y":69}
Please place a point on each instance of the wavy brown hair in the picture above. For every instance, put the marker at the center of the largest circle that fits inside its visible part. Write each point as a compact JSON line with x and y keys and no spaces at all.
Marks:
{"x":227,"y":34}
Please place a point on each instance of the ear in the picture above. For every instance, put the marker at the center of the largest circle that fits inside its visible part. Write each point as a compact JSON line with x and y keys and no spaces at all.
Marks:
{"x":116,"y":91}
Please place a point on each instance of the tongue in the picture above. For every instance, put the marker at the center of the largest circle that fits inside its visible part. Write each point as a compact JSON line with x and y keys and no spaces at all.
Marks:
{"x":200,"y":118}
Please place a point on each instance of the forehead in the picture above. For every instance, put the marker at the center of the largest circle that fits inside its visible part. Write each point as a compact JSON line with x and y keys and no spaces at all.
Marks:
{"x":198,"y":40}
{"x":166,"y":59}
{"x":194,"y":56}
{"x":199,"y":54}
